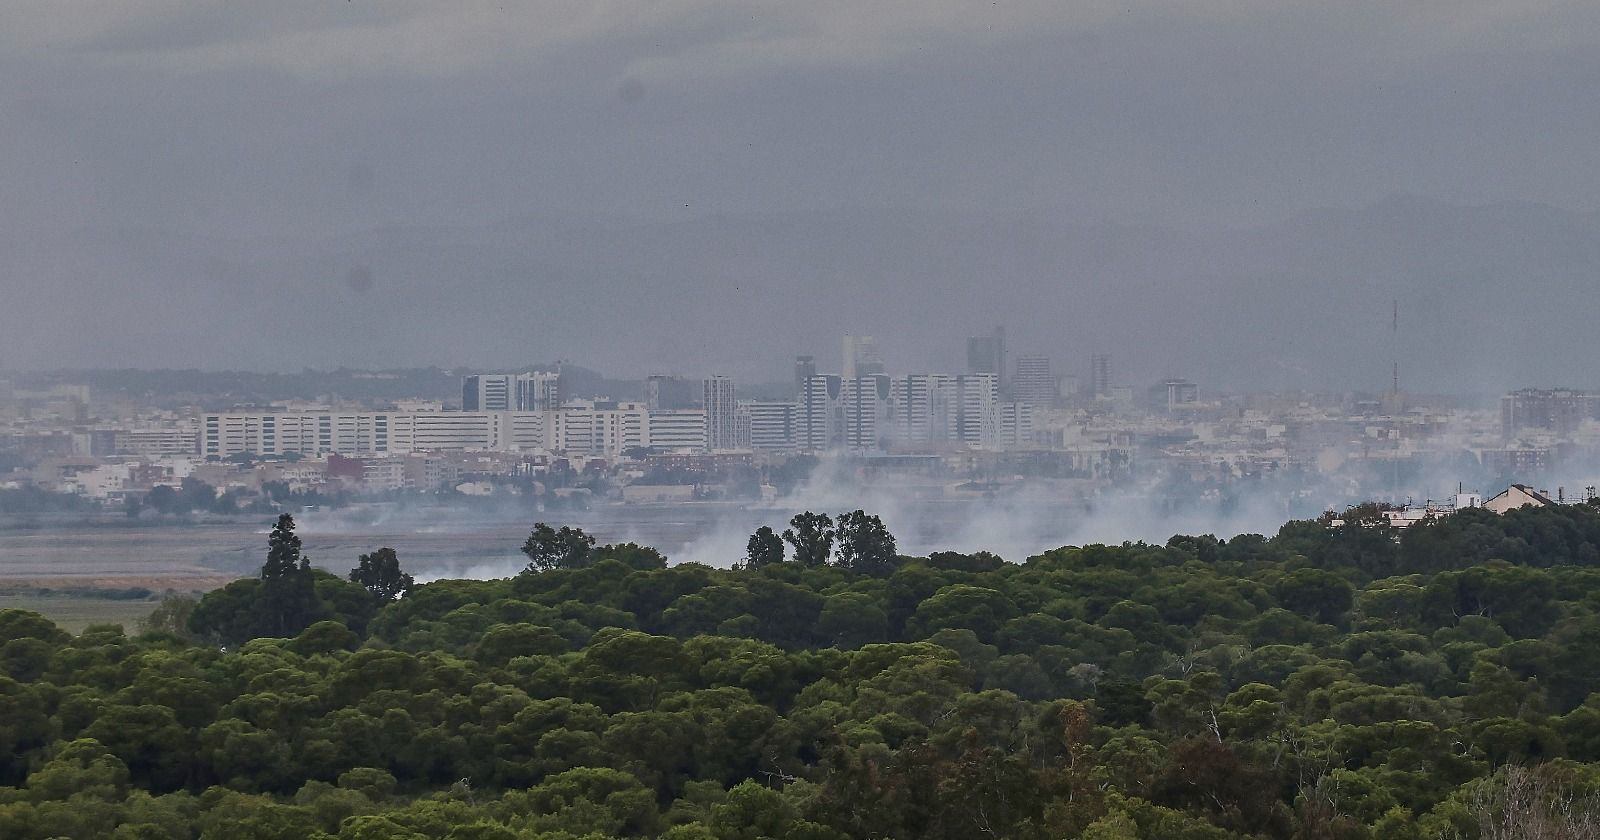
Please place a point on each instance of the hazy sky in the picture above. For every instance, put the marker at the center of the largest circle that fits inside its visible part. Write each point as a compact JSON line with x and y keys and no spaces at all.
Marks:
{"x":695,"y":185}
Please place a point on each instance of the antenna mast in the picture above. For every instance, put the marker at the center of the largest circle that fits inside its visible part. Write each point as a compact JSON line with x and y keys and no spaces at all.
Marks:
{"x":1395,"y":348}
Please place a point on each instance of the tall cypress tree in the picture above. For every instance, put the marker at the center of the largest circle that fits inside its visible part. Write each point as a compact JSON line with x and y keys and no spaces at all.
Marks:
{"x":288,"y":590}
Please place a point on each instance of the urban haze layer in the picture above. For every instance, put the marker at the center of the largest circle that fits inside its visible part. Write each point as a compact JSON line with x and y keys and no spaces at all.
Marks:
{"x":826,"y":420}
{"x":1052,"y":452}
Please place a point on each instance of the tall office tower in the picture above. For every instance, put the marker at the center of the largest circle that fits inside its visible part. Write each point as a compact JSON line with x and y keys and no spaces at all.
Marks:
{"x":1033,"y":382}
{"x":667,"y":393}
{"x":867,"y":413}
{"x":924,"y":407}
{"x":977,"y":409}
{"x":987,"y":354}
{"x":861,"y":357}
{"x":821,"y":420}
{"x":536,"y":392}
{"x":510,"y":392}
{"x":805,"y":367}
{"x":722,"y":410}
{"x":1099,"y":376}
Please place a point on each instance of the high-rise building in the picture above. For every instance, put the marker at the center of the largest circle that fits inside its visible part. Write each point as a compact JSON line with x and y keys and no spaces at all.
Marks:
{"x":722,"y":430}
{"x":668,"y":393}
{"x":861,"y":357}
{"x":867,"y":411}
{"x":510,"y":392}
{"x":987,"y":354}
{"x":924,"y":408}
{"x":1015,"y":425}
{"x":977,"y":409}
{"x":805,"y":367}
{"x":536,"y":392}
{"x":821,"y":420}
{"x":1033,"y":382}
{"x":772,"y":425}
{"x":1099,"y":385}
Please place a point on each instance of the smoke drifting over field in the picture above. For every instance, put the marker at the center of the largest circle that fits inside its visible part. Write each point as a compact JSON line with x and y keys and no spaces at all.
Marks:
{"x":482,"y":542}
{"x":1014,"y":526}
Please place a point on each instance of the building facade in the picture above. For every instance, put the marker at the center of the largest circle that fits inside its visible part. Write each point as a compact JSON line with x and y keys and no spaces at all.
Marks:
{"x":772,"y":425}
{"x":510,"y":392}
{"x":1033,"y":382}
{"x":722,"y":408}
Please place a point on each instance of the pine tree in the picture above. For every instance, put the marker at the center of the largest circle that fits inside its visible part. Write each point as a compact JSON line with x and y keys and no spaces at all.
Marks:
{"x":865,"y":545}
{"x":764,"y":549}
{"x":548,"y":549}
{"x":811,"y":534}
{"x":380,"y":573}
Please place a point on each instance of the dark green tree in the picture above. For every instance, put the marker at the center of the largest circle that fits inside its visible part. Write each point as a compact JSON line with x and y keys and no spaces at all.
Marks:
{"x":865,"y":545}
{"x":380,"y":573}
{"x":812,"y":536}
{"x":634,"y":556}
{"x":1317,"y":594}
{"x":548,"y":549}
{"x":288,"y":589}
{"x":764,"y":549}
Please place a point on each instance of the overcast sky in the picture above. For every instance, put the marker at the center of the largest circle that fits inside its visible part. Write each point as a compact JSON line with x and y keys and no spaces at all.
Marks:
{"x":168,"y":165}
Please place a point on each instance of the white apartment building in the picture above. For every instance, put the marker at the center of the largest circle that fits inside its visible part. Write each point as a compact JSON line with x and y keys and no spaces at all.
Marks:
{"x":868,"y":413}
{"x":599,"y":429}
{"x":821,"y":421}
{"x":721,"y":410}
{"x":924,"y":408}
{"x":153,"y":442}
{"x":977,"y":410}
{"x":683,"y":430}
{"x":773,"y":425}
{"x":1015,"y":429}
{"x":370,"y":433}
{"x":579,"y":428}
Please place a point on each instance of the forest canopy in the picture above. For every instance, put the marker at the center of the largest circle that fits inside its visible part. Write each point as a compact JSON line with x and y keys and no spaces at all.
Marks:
{"x":1325,"y":682}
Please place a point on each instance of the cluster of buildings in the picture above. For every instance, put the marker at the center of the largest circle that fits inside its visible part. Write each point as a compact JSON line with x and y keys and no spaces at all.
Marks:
{"x":1514,"y":497}
{"x":862,"y":410}
{"x":1002,"y":419}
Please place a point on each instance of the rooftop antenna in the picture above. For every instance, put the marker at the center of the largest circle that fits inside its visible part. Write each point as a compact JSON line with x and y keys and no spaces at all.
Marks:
{"x":1395,"y":348}
{"x":1393,"y":408}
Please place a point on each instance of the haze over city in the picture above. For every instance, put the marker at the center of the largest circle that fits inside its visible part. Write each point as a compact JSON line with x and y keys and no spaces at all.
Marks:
{"x":711,"y":420}
{"x":1234,"y":193}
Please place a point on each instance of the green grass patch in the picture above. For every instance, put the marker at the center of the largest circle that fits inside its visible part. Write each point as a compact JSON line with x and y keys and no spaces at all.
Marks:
{"x":74,"y":612}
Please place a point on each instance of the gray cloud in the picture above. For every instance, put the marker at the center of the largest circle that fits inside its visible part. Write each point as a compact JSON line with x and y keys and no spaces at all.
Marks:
{"x":904,"y":168}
